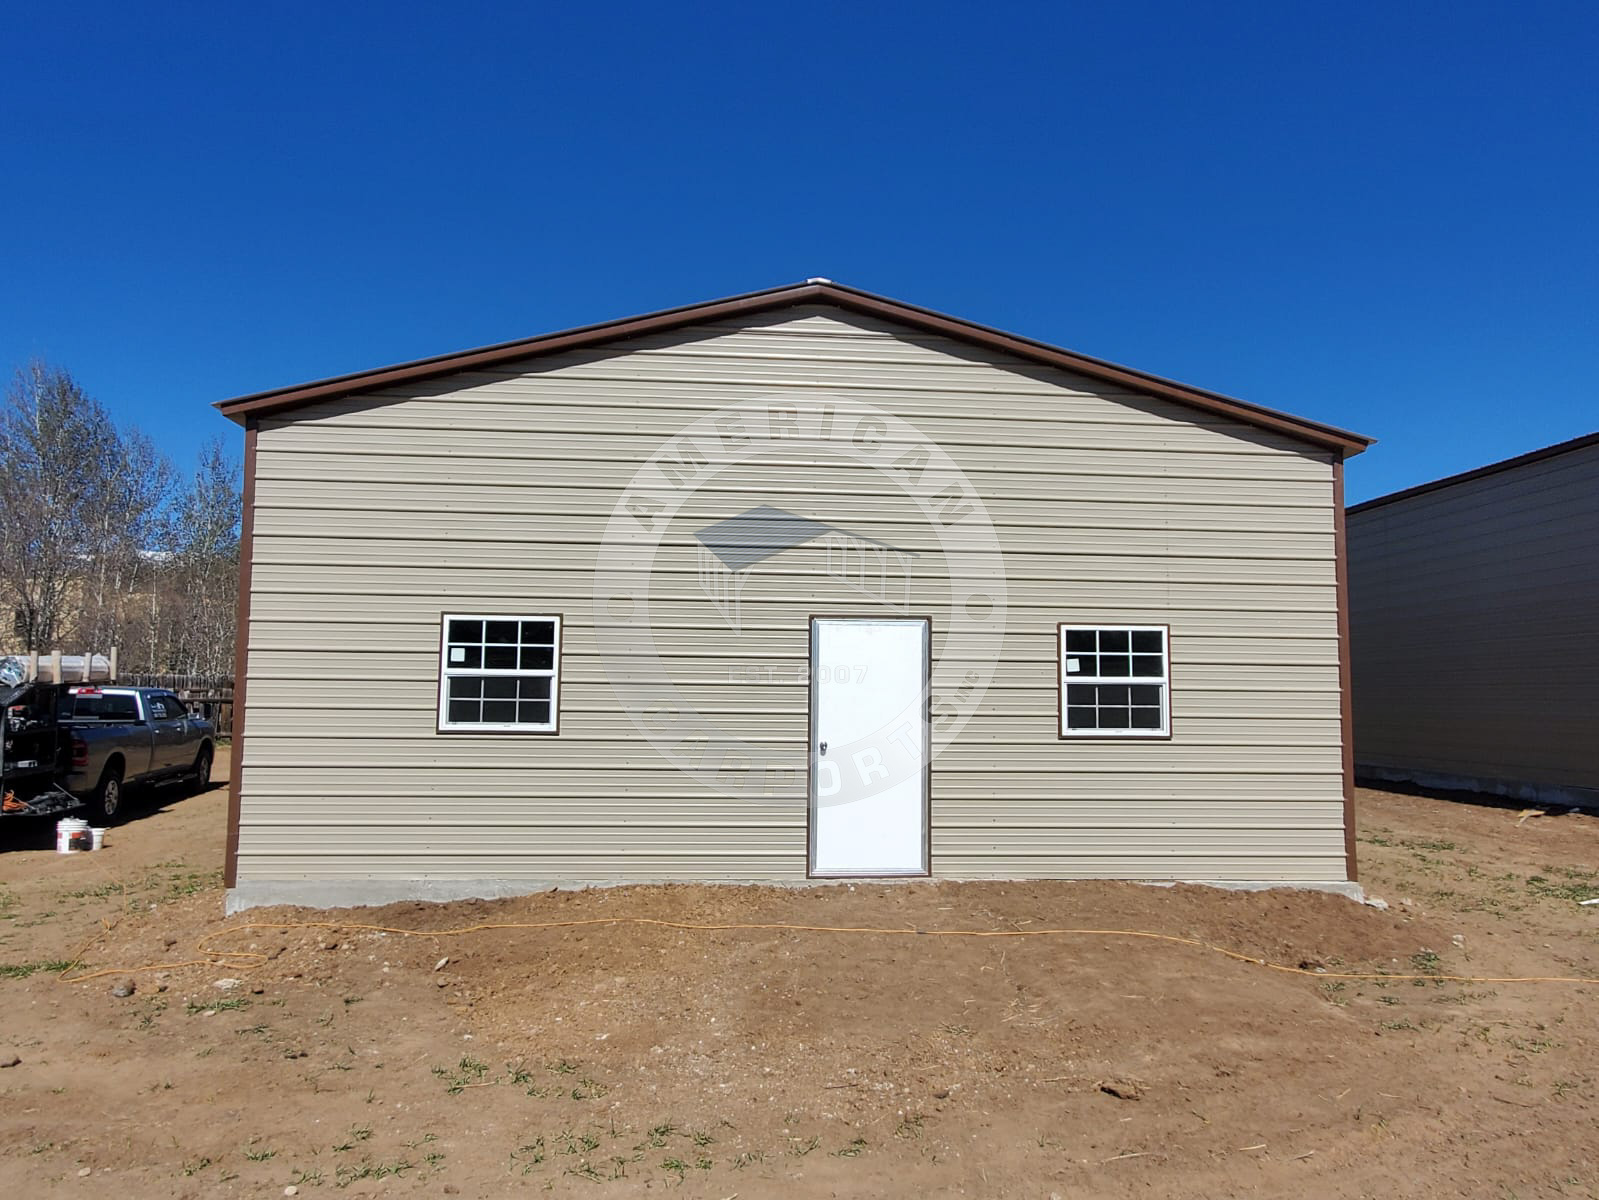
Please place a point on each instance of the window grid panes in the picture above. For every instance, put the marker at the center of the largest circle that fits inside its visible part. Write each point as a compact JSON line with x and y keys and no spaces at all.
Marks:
{"x":1115,"y":681}
{"x":499,"y":673}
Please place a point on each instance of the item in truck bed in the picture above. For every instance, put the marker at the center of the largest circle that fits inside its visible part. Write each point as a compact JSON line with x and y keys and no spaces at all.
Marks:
{"x":14,"y":669}
{"x":46,"y":803}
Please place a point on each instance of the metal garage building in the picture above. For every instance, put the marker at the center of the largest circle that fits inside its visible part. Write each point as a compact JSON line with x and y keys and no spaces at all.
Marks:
{"x":1472,"y":600}
{"x":801,"y":584}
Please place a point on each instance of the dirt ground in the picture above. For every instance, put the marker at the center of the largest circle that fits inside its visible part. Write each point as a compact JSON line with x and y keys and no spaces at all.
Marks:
{"x":608,"y":1059}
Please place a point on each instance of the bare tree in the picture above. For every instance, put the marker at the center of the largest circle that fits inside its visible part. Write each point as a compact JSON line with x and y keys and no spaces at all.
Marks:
{"x":126,"y":513}
{"x":98,"y":543}
{"x":200,"y":567}
{"x":57,"y":446}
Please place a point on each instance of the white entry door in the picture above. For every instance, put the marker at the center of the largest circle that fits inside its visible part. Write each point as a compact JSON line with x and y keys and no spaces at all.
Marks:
{"x":869,"y":746}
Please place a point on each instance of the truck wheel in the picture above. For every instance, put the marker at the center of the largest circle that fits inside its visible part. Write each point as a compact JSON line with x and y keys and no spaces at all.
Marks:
{"x":105,"y":806}
{"x":201,"y":780}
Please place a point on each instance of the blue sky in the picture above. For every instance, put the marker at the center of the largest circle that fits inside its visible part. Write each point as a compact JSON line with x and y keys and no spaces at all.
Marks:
{"x":1381,"y":216}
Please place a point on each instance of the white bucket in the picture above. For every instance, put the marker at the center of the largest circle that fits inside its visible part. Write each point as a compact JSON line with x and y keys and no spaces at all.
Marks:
{"x":99,"y":837}
{"x":65,"y":828}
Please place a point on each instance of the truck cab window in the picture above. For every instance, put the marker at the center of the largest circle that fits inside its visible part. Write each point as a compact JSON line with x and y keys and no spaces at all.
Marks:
{"x":102,"y":707}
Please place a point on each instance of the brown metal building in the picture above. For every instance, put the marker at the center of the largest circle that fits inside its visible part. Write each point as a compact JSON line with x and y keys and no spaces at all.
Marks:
{"x":1472,"y":606}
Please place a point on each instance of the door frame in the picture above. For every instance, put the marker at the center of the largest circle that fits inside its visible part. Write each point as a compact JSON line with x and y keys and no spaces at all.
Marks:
{"x":810,"y":749}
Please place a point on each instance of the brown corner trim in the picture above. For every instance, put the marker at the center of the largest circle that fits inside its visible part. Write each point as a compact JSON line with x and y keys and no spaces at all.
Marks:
{"x":281,"y":400}
{"x":1346,"y":722}
{"x":241,"y":655}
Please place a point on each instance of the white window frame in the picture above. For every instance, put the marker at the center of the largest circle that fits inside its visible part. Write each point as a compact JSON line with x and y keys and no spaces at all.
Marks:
{"x":448,"y":672}
{"x":1068,"y":677}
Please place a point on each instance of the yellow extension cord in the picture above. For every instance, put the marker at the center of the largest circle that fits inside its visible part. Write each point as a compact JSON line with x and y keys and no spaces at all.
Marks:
{"x":242,"y":960}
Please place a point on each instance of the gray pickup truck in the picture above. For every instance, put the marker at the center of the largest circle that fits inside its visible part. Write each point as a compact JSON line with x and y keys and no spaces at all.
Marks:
{"x":120,"y":736}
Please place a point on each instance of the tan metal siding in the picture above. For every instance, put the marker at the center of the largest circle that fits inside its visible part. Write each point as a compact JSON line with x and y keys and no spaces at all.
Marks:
{"x":1472,"y":611}
{"x":490,"y":492}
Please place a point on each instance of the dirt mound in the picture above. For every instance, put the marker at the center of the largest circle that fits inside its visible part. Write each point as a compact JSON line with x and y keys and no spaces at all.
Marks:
{"x":598,"y":1056}
{"x":775,"y":1045}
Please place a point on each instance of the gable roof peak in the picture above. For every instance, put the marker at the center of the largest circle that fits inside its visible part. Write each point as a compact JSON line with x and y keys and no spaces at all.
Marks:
{"x":815,"y":290}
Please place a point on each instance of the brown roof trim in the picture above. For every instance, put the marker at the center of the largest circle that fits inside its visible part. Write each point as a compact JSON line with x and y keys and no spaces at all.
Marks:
{"x":1509,"y":464}
{"x":282,"y":400}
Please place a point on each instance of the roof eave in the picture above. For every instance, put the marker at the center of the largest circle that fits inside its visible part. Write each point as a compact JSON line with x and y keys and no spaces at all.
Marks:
{"x":1582,"y":442}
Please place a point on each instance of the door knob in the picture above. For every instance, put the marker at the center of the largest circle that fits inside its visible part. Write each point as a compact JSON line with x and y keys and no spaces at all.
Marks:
{"x":824,"y":748}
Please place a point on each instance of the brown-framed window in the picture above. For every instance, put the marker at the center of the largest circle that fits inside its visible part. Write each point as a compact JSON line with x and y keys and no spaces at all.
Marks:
{"x":1115,"y":681}
{"x":499,"y":674}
